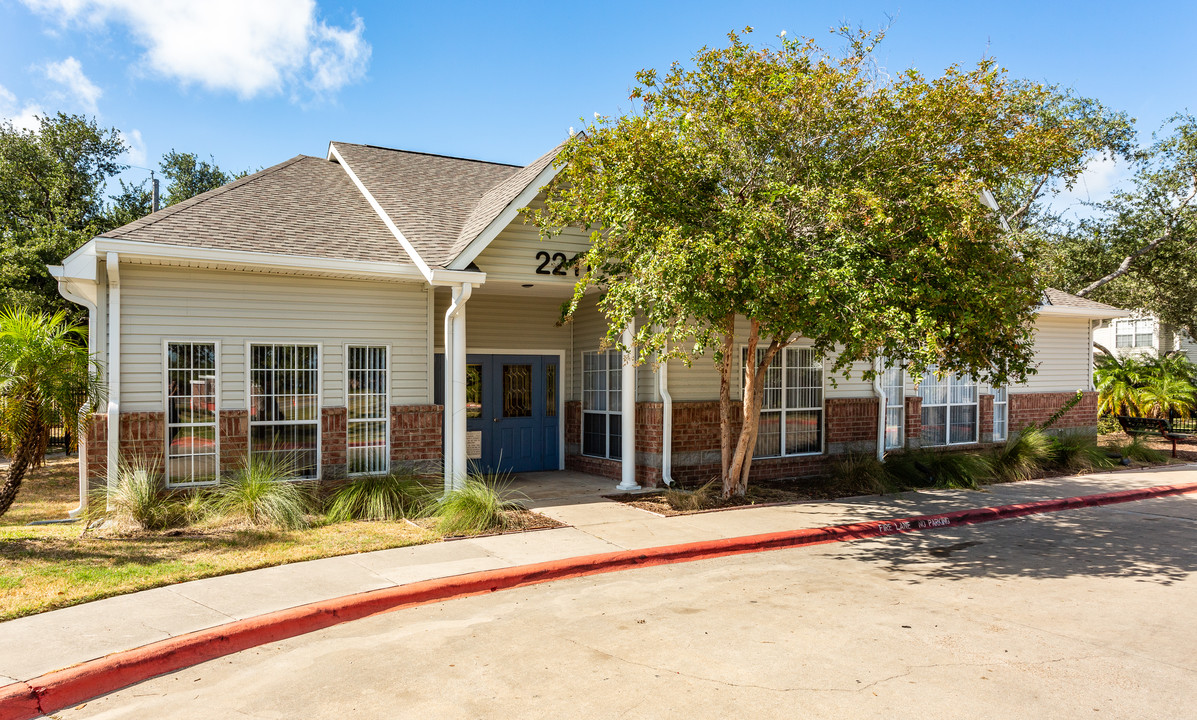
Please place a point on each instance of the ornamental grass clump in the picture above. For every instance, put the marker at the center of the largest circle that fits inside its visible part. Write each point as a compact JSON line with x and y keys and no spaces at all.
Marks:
{"x":480,"y":505}
{"x":945,"y":470}
{"x":379,"y":497}
{"x":1137,"y":449}
{"x":700,"y":498}
{"x":1022,"y":457}
{"x":263,"y":491}
{"x":1078,"y":452}
{"x":138,"y":501}
{"x":860,"y":474}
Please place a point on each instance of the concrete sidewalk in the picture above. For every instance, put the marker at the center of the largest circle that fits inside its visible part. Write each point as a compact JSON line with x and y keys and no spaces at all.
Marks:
{"x":38,"y":644}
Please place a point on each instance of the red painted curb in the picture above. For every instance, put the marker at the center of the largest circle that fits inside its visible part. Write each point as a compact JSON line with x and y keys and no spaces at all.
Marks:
{"x":63,"y":688}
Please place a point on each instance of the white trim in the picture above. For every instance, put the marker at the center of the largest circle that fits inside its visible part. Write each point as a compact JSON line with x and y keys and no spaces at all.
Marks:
{"x":58,"y":272}
{"x":112,"y":267}
{"x":496,"y":226}
{"x":382,"y":215}
{"x":948,"y":405}
{"x":561,"y":396}
{"x":582,"y":411}
{"x":166,"y":342}
{"x":345,"y":347}
{"x":249,"y":403}
{"x":1082,"y":312}
{"x":806,"y":345}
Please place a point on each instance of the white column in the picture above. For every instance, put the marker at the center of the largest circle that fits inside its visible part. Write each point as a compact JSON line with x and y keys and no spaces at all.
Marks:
{"x":447,"y":372}
{"x":627,"y":422}
{"x":459,"y":388}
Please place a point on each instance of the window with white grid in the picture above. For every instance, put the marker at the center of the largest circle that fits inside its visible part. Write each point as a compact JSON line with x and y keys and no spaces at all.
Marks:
{"x":366,"y":400}
{"x":1134,"y":333}
{"x":284,"y":401}
{"x":893,"y":384}
{"x":791,"y":421}
{"x":602,"y":378}
{"x":191,"y":429}
{"x":1001,"y":414}
{"x":949,"y":409}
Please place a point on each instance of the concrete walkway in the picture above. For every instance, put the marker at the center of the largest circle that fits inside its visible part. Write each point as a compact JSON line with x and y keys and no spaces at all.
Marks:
{"x":50,"y":641}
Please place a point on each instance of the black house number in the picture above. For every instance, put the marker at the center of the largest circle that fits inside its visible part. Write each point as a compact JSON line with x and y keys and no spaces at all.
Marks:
{"x":552,"y":264}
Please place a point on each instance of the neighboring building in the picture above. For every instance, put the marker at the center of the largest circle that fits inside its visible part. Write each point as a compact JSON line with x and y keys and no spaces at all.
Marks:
{"x":304,"y":310}
{"x":1144,"y":335}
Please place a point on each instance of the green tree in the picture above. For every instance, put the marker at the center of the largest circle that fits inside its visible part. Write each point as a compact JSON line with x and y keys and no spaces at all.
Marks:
{"x":1118,"y":379}
{"x":44,"y":366}
{"x":131,"y":203}
{"x":808,"y":195}
{"x":189,"y":176}
{"x":51,"y":201}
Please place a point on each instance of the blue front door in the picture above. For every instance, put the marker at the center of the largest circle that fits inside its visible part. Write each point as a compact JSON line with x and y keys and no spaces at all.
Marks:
{"x":513,"y":411}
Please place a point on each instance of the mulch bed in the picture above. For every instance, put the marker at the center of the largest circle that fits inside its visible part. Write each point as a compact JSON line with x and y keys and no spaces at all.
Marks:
{"x":761,"y":492}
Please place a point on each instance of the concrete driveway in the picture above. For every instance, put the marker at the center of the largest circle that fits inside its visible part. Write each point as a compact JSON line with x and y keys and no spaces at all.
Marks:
{"x":1081,"y":614}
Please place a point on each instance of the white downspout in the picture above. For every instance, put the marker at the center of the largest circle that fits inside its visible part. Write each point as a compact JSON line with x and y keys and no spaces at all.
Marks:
{"x":455,"y":388}
{"x":882,"y":401}
{"x":627,"y":410}
{"x":64,"y":290}
{"x":114,"y":367}
{"x":666,"y":424}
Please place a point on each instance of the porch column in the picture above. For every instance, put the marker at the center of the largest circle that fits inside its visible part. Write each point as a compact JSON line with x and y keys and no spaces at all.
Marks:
{"x":455,"y":388}
{"x":627,"y":412}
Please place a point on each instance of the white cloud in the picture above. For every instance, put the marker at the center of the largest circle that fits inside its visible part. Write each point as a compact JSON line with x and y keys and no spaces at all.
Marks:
{"x":69,"y":73}
{"x":1099,"y":179}
{"x":22,"y":117}
{"x":135,"y":154}
{"x":249,"y":47}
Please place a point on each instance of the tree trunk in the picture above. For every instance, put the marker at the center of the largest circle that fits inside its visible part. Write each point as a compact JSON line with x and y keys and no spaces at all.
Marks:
{"x":725,"y":408}
{"x":24,"y":455}
{"x":735,"y":481}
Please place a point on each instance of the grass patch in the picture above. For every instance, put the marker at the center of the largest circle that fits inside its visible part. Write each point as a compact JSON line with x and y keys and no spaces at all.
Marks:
{"x":480,"y":505}
{"x":1022,"y":457}
{"x":262,"y":491}
{"x":700,"y":498}
{"x":1078,"y":452}
{"x":380,"y":497}
{"x":1137,"y":448}
{"x":859,"y":474}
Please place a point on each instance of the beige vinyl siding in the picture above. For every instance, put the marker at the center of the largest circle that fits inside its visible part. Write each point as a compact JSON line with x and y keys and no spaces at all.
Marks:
{"x":160,"y":303}
{"x":589,"y":328}
{"x":511,"y":256}
{"x":505,"y":322}
{"x":1061,"y":355}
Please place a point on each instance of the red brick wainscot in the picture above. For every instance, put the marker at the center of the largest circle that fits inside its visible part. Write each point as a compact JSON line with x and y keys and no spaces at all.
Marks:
{"x":142,"y":439}
{"x":416,"y":433}
{"x":1027,"y":408}
{"x":334,"y":444}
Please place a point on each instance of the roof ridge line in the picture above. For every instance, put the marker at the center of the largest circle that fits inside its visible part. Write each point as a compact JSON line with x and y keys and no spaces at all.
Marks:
{"x":172,"y":210}
{"x":431,"y":154}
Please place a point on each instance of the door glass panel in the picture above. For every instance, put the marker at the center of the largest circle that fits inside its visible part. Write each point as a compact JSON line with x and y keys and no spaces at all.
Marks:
{"x":517,"y":391}
{"x":473,"y":391}
{"x":550,"y":390}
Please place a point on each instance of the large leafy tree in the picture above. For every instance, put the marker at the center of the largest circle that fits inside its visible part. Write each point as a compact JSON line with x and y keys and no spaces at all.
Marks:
{"x":801,"y":191}
{"x":189,"y":176}
{"x":45,"y":373}
{"x":1139,"y":249}
{"x":51,"y":201}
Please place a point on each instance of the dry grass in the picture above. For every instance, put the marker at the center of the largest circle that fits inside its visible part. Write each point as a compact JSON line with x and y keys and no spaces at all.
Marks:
{"x":50,"y":566}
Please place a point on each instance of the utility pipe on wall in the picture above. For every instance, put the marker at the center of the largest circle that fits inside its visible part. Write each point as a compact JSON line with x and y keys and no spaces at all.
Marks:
{"x":627,"y":412}
{"x":64,"y":289}
{"x":455,"y":387}
{"x":882,"y":401}
{"x":112,"y":261}
{"x":666,"y":424}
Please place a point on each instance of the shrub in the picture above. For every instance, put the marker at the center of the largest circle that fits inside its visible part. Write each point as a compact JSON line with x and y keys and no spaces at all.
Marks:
{"x":263,"y":491}
{"x":923,"y":468}
{"x":1023,"y":456}
{"x":1107,"y":424}
{"x":379,"y":497}
{"x":693,"y":500}
{"x":1078,"y":452}
{"x":1137,"y":449}
{"x":139,"y":499}
{"x":860,"y":474}
{"x":478,"y":506}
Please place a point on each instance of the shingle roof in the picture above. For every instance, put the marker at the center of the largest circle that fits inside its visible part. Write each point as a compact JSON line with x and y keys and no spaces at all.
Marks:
{"x":430,"y":198}
{"x":305,"y":206}
{"x":1060,"y":298}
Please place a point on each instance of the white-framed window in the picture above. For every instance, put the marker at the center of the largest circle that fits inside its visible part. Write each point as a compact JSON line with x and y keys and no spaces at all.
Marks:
{"x":894,"y":385}
{"x":949,"y":409}
{"x":367,"y":408}
{"x":1134,"y":333}
{"x":192,"y":434}
{"x":602,"y":376}
{"x":1001,"y":413}
{"x":791,"y":421}
{"x":284,"y":405}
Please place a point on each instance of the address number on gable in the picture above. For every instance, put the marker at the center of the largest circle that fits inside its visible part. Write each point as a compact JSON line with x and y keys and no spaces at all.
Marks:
{"x":553,"y":264}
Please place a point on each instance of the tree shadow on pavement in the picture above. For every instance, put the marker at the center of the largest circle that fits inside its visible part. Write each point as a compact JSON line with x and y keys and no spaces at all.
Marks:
{"x":1095,"y":542}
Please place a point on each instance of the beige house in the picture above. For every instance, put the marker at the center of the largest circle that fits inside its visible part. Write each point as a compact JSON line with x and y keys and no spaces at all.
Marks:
{"x":377,"y":307}
{"x":1144,"y":335}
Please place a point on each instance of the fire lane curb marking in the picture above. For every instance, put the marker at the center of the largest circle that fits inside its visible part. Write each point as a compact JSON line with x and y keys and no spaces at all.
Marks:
{"x":64,"y":688}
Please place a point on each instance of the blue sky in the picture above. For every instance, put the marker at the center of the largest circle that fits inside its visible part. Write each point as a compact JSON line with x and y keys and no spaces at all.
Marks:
{"x":254,"y":82}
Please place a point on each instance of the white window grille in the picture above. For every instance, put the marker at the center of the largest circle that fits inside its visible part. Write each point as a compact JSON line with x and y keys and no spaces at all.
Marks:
{"x":791,"y":421}
{"x":192,"y":449}
{"x":367,"y":408}
{"x":1001,"y":414}
{"x":284,"y":401}
{"x":602,"y":377}
{"x":1134,"y":333}
{"x":949,"y":409}
{"x":894,"y":386}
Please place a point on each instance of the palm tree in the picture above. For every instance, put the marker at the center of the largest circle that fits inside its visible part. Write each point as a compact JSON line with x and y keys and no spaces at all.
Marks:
{"x":1118,"y":380}
{"x":44,"y":366}
{"x":1165,"y":395}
